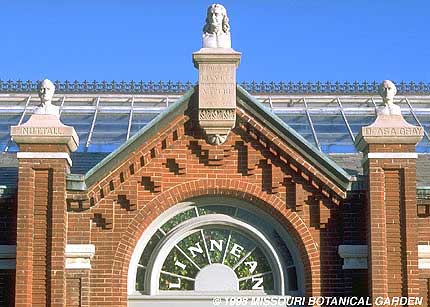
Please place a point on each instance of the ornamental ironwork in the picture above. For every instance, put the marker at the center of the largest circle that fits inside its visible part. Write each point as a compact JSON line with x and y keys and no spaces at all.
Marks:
{"x":256,"y":88}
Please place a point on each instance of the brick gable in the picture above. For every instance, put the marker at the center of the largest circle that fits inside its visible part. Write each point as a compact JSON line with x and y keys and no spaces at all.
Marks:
{"x":176,"y":164}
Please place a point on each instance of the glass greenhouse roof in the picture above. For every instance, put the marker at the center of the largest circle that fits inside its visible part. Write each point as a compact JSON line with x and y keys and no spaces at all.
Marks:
{"x":104,"y":120}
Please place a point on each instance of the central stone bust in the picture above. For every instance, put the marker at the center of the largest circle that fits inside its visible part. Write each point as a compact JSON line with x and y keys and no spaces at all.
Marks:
{"x":217,"y":63}
{"x":216,"y":32}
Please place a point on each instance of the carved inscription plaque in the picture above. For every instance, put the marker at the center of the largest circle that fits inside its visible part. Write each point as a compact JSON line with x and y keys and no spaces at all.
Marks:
{"x":217,"y":73}
{"x":217,"y":86}
{"x":38,"y":130}
{"x":217,"y":92}
{"x":392,"y":131}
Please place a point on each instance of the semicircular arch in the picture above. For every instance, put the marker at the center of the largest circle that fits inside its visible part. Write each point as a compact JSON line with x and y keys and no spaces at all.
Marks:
{"x":237,"y":189}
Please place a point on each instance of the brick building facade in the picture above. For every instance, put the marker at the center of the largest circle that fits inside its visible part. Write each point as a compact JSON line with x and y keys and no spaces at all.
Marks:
{"x":171,"y":217}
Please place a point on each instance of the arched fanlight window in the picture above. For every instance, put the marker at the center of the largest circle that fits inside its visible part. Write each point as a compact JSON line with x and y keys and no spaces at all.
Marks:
{"x":212,"y":246}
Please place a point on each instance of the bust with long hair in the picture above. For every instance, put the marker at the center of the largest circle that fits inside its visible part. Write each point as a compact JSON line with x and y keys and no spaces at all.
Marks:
{"x":216,"y":32}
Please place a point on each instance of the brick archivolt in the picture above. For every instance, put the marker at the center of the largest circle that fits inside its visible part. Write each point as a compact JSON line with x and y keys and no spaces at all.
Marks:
{"x":273,"y":205}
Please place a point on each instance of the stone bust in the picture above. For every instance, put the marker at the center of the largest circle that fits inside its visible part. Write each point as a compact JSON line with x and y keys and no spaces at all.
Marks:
{"x":216,"y":32}
{"x":46,"y":92}
{"x":388,"y":90}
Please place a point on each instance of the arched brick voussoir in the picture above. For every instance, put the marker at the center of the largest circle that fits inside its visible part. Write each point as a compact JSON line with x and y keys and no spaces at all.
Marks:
{"x":275,"y":206}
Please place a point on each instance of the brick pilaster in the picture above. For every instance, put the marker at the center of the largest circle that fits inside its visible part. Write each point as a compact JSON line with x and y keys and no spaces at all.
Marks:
{"x":390,"y":165}
{"x":44,"y":162}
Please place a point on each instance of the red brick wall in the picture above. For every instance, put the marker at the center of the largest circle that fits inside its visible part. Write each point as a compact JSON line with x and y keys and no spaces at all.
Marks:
{"x":423,"y":212}
{"x":177,"y":165}
{"x":41,"y":232}
{"x":392,"y":223}
{"x":73,"y":292}
{"x":77,"y":288}
{"x":395,"y":223}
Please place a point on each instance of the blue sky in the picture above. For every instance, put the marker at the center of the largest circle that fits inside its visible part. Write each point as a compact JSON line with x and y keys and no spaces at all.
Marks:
{"x":153,"y":40}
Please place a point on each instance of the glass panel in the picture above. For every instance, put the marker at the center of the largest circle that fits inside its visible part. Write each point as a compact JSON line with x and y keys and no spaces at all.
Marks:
{"x":110,"y":131}
{"x":264,"y":282}
{"x":13,"y":147}
{"x":356,"y":121}
{"x":217,"y":209}
{"x":242,"y":255}
{"x":422,"y":111}
{"x":149,"y":248}
{"x":255,"y":263}
{"x":300,"y":124}
{"x":425,"y":121}
{"x":7,"y":120}
{"x":285,"y":253}
{"x":81,"y":123}
{"x":410,"y":119}
{"x":177,"y":263}
{"x":181,"y":217}
{"x":169,"y":282}
{"x":194,"y":247}
{"x":238,"y":247}
{"x":140,"y":279}
{"x":332,"y":133}
{"x":292,"y":279}
{"x":217,"y":243}
{"x":252,"y":219}
{"x":140,"y":120}
{"x":423,"y":146}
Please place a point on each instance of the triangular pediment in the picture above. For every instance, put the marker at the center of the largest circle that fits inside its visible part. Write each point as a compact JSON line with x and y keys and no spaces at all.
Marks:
{"x":174,"y":134}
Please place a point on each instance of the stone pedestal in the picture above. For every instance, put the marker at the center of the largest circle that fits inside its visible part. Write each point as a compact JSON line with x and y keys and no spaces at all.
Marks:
{"x":217,"y":91}
{"x":45,"y":129}
{"x":44,"y":161}
{"x":390,"y":164}
{"x":389,"y":129}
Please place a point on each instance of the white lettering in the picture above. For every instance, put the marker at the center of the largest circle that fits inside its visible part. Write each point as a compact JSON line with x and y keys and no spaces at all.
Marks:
{"x":236,"y":250}
{"x":398,"y":301}
{"x":211,"y":91}
{"x":252,"y":265}
{"x":180,"y":264}
{"x":40,"y":130}
{"x":197,"y":249}
{"x":175,"y":286}
{"x":387,"y":131}
{"x":216,"y":244}
{"x":258,"y":283}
